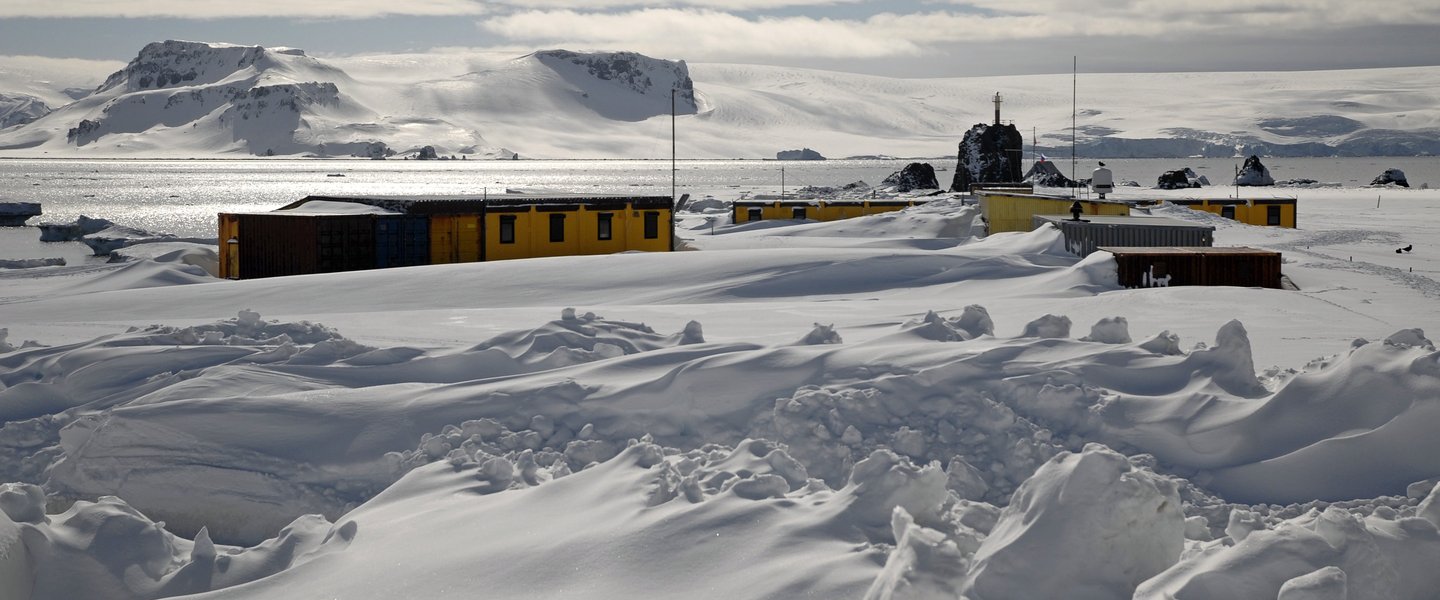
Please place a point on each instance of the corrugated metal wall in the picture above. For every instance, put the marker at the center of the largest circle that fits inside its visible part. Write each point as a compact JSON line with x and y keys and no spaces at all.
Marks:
{"x":1165,"y":267}
{"x":1082,"y":238}
{"x":402,"y":241}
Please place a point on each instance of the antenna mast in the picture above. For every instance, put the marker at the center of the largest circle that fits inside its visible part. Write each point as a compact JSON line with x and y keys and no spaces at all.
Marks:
{"x":1074,"y":97}
{"x":672,"y":144}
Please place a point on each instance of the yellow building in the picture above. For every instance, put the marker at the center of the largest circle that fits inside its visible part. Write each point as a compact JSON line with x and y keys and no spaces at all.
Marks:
{"x":769,"y":209}
{"x":1012,"y":211}
{"x":322,"y":234}
{"x":1267,"y":212}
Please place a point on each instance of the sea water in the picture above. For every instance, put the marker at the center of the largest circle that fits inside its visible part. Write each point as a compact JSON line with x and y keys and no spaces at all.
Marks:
{"x":182,"y":197}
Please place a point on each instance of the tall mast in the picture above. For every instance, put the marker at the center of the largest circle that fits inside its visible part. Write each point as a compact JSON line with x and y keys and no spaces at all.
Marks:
{"x":1074,"y":97}
{"x":672,"y":144}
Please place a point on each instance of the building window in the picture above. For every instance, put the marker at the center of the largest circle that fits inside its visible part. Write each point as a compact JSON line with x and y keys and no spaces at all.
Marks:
{"x":798,"y":213}
{"x":1272,"y":215}
{"x":652,"y":224}
{"x":754,"y":214}
{"x":603,"y":232}
{"x":557,"y":227}
{"x":1228,"y":211}
{"x":507,"y":229}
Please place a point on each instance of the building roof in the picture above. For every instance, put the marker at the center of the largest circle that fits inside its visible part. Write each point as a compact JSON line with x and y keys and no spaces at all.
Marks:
{"x":466,"y":203}
{"x":1124,"y":221}
{"x":1178,"y":250}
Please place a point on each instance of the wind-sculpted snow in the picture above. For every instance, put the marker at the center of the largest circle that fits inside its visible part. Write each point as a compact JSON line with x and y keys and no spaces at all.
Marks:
{"x":108,"y":550}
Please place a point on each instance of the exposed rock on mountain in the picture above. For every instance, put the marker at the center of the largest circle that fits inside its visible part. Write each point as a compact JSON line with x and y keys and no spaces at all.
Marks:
{"x":988,"y":154}
{"x":20,"y":109}
{"x":1253,"y":173}
{"x":915,"y":176}
{"x":1391,"y":177}
{"x":633,"y":87}
{"x":804,"y":154}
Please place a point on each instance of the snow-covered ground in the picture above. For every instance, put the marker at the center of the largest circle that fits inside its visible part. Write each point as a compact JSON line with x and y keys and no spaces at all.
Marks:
{"x":885,"y":407}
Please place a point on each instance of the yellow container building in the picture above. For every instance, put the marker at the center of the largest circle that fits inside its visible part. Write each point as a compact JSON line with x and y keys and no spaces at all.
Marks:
{"x":1266,"y":212}
{"x":1013,"y":211}
{"x":770,"y":209}
{"x":365,"y":232}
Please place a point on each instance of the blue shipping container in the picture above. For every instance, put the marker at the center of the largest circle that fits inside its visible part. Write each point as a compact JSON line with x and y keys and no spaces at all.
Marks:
{"x":402,"y":241}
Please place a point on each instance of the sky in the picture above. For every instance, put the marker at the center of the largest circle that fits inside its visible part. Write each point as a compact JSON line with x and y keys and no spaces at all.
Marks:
{"x":904,"y":38}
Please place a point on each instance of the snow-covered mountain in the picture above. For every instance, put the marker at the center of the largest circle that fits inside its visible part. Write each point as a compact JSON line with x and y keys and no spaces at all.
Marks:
{"x":198,"y":99}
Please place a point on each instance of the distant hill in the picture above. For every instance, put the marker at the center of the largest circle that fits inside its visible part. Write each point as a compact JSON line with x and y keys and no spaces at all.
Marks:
{"x":194,"y":99}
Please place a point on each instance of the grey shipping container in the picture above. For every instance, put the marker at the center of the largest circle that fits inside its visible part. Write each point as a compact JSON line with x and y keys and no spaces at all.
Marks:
{"x":1165,"y":267}
{"x":1084,"y":237}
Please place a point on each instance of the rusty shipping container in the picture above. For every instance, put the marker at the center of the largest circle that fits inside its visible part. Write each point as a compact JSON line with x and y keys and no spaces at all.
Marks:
{"x":1084,"y":237}
{"x":1172,"y":266}
{"x":272,"y":245}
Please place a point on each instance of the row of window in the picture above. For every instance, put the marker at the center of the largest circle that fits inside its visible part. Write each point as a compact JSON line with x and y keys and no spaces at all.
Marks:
{"x":1272,"y":213}
{"x":604,"y":228}
{"x":755,"y":214}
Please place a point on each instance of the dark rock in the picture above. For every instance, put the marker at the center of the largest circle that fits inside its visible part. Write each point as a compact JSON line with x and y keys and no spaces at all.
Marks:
{"x":1180,"y":179}
{"x":1254,"y":173}
{"x":1045,"y":174}
{"x":14,"y":214}
{"x":988,"y":154}
{"x":426,"y":153}
{"x":69,"y":232}
{"x":915,"y":176}
{"x":1391,"y":177}
{"x":805,"y":154}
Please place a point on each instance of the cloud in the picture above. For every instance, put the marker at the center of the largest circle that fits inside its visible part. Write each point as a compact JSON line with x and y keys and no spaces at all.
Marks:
{"x":349,"y":9}
{"x":223,"y":9}
{"x":700,"y":34}
{"x":1165,"y":17}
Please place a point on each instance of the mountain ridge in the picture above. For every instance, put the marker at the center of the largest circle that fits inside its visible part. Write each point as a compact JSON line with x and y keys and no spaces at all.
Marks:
{"x":198,"y":99}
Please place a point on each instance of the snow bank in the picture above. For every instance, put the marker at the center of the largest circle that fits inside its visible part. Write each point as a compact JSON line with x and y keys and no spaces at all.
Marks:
{"x":1086,"y":525}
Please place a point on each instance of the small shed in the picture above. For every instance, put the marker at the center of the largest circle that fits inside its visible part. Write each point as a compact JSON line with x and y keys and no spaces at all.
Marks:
{"x":1140,"y":267}
{"x":1093,"y":231}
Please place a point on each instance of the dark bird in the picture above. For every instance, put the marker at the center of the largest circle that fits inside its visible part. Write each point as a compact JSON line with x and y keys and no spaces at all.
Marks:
{"x":1397,"y":250}
{"x":1407,"y":248}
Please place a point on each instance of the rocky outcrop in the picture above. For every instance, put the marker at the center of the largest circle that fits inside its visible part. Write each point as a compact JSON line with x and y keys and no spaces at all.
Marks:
{"x":1391,"y":177}
{"x":1045,"y":174}
{"x":1180,"y":179}
{"x":426,"y":153}
{"x":1254,"y":173}
{"x":14,"y":214}
{"x":69,"y":232}
{"x":21,"y":109}
{"x":915,"y":176}
{"x":988,"y":154}
{"x":804,"y":154}
{"x":624,"y":86}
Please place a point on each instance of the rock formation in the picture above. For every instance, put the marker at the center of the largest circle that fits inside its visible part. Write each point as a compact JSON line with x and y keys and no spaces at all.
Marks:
{"x":915,"y":176}
{"x":1179,"y":179}
{"x":805,"y":154}
{"x":988,"y":154}
{"x":1045,"y":174}
{"x":1391,"y":177}
{"x":1254,"y":173}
